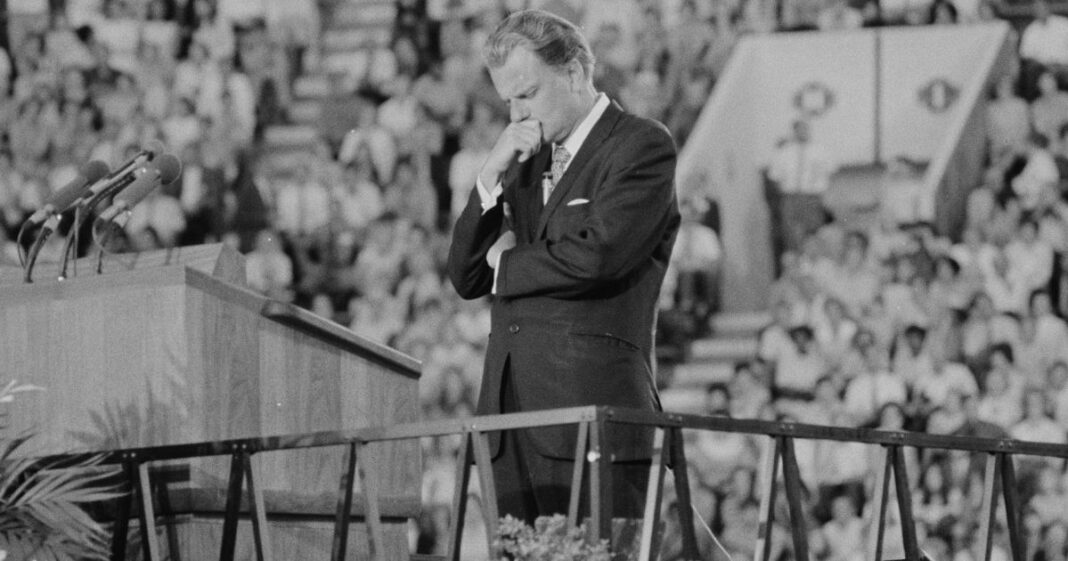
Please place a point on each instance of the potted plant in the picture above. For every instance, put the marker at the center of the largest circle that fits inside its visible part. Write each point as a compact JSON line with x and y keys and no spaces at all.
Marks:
{"x":42,"y":514}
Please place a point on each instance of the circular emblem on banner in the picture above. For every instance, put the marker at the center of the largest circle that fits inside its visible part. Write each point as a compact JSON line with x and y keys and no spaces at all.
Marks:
{"x":814,"y":99}
{"x":939,"y":95}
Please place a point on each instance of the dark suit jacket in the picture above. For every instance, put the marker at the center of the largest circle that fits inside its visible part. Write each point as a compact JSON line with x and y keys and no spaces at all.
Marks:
{"x":575,"y":308}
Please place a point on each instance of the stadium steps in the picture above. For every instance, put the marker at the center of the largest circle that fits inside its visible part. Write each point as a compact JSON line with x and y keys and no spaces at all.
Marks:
{"x":712,"y":359}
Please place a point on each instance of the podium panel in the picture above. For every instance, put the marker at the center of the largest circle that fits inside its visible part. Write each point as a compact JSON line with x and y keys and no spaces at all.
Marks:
{"x":169,"y":350}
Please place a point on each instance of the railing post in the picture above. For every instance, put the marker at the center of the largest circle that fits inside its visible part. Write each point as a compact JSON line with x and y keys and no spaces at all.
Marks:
{"x":600,"y":483}
{"x":682,"y":491}
{"x":769,"y":468}
{"x":792,"y":479}
{"x":459,"y":498}
{"x":989,"y":509}
{"x":904,"y":504}
{"x":372,"y":514}
{"x":480,"y":442}
{"x":122,"y":517}
{"x":233,"y":508}
{"x":258,"y":510}
{"x":581,"y":444}
{"x":344,"y":503}
{"x":148,"y":513}
{"x":1012,"y":506}
{"x":878,"y":510}
{"x":653,"y":494}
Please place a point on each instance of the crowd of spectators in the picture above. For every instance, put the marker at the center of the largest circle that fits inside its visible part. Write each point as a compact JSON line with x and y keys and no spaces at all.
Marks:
{"x":891,"y":327}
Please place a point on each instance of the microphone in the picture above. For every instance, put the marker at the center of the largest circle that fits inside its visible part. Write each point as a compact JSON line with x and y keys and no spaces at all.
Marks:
{"x":122,"y":177}
{"x":90,"y":173}
{"x":142,"y":156}
{"x":163,"y":170}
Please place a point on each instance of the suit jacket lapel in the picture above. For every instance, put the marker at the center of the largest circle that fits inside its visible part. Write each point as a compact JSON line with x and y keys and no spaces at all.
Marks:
{"x":590,"y":146}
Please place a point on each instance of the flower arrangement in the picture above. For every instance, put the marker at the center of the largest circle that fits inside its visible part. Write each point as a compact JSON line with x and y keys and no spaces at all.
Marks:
{"x":549,"y":539}
{"x":42,"y":514}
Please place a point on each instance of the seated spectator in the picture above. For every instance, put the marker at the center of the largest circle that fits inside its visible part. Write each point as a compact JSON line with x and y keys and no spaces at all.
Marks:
{"x":911,"y":359}
{"x":696,"y":258}
{"x":1001,"y":400}
{"x":838,"y":15}
{"x":945,"y":378}
{"x":975,"y":255}
{"x":934,"y":497}
{"x":1037,"y":424}
{"x":303,"y":204}
{"x":716,"y":455}
{"x":1006,"y":286}
{"x":182,"y":127}
{"x":1057,"y":386}
{"x":1043,"y":339}
{"x":749,"y":389}
{"x":854,"y":281}
{"x":1008,"y":122}
{"x":950,"y":290}
{"x":800,"y":365}
{"x":942,"y":12}
{"x":1050,"y":496}
{"x":1039,"y":173}
{"x":901,"y":194}
{"x":422,"y":283}
{"x":379,"y":263}
{"x":842,"y":537}
{"x":1043,"y":47}
{"x":377,"y":315}
{"x":875,"y":386}
{"x":163,"y":214}
{"x":268,"y":269}
{"x":1030,"y":257}
{"x":411,"y":196}
{"x":899,"y":296}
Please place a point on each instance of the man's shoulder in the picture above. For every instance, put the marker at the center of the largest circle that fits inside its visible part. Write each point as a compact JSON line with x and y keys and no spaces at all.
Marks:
{"x":644,"y":126}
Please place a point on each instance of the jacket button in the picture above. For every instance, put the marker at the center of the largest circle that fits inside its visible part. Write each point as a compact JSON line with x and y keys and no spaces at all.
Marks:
{"x":513,"y":328}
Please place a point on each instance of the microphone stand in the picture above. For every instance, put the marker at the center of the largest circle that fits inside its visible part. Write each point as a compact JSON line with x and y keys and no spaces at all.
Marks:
{"x":81,"y":211}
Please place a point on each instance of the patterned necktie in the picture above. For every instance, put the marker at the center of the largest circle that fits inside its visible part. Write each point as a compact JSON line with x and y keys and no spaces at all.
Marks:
{"x":560,"y":158}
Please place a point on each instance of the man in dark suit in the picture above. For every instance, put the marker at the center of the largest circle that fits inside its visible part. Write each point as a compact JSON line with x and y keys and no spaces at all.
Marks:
{"x":570,"y":228}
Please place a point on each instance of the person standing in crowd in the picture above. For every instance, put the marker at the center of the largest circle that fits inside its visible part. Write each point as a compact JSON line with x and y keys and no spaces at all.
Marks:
{"x":570,"y":228}
{"x":799,"y":174}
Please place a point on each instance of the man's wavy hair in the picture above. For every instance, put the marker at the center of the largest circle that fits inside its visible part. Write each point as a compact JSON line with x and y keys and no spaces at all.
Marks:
{"x":552,"y":38}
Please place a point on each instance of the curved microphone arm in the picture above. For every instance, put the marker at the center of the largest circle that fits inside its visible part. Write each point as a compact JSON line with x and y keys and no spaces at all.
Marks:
{"x":82,"y":210}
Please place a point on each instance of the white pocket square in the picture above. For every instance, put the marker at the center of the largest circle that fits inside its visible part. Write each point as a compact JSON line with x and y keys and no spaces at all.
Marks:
{"x":576,"y":202}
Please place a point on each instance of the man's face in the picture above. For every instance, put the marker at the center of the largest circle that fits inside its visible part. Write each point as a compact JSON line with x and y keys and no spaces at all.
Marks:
{"x":536,"y":91}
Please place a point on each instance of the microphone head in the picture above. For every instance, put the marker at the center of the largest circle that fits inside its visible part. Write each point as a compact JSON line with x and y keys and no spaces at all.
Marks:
{"x":169,"y":166}
{"x":94,"y":171}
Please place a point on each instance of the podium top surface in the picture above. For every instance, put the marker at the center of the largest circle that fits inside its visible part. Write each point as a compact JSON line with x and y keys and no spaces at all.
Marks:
{"x":211,"y":269}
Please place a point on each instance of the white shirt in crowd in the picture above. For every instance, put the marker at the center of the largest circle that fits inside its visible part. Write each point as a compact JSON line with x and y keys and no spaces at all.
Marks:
{"x":1046,"y":41}
{"x":802,"y":167}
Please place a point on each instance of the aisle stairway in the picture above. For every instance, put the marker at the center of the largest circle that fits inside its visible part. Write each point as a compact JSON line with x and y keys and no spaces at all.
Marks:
{"x":711,"y":359}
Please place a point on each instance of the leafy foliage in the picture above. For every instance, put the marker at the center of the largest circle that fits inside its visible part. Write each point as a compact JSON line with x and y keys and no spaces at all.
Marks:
{"x":549,"y":540}
{"x":41,"y":502}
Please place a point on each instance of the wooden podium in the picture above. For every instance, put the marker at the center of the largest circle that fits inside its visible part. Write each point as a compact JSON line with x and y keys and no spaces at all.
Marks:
{"x":169,"y":347}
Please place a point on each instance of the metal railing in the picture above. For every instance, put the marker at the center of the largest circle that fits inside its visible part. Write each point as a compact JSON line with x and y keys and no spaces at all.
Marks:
{"x":590,"y":454}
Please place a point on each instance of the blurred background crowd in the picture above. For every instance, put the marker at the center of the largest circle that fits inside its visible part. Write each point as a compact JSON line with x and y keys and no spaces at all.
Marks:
{"x":887,"y":326}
